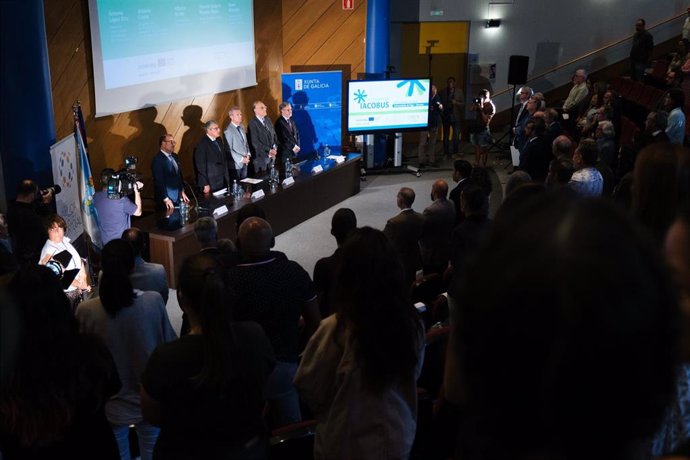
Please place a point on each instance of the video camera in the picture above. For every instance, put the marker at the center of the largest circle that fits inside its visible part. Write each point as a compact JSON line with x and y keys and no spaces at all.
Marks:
{"x":121,"y":183}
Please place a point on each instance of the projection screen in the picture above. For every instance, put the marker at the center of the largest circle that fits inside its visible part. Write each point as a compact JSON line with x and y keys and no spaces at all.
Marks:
{"x":147,"y":52}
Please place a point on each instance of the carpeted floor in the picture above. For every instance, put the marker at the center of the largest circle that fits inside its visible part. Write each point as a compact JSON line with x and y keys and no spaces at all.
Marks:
{"x":374,"y":205}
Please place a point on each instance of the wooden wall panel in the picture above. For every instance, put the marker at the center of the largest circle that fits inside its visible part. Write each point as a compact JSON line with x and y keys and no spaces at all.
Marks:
{"x":294,"y":32}
{"x":322,"y":33}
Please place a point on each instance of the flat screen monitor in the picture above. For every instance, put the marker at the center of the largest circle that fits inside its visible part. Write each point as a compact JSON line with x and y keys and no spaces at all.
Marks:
{"x":387,"y":105}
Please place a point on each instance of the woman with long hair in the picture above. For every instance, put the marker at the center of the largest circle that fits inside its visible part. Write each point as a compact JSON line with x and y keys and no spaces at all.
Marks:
{"x":132,"y":324}
{"x":359,"y":370}
{"x":54,"y":381}
{"x":204,"y":390}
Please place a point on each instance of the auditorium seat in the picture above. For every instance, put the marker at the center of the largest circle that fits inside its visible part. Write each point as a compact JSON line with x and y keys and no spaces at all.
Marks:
{"x":294,"y":441}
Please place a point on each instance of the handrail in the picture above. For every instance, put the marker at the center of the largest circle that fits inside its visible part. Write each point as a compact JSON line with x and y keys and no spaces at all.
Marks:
{"x":591,"y":53}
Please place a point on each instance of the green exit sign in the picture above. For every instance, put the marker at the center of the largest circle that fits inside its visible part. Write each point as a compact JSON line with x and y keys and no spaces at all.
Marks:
{"x":436,"y":12}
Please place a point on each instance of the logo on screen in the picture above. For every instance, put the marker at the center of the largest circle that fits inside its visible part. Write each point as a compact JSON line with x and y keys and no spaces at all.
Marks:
{"x":360,"y":96}
{"x":298,"y":84}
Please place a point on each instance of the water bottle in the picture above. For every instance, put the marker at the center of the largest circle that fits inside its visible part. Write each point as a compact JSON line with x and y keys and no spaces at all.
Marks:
{"x":235,"y":190}
{"x":288,"y":167}
{"x":326,"y":151}
{"x":273,"y":176}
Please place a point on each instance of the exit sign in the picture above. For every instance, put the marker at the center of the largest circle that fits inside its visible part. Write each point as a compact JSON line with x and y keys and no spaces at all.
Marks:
{"x":348,"y":4}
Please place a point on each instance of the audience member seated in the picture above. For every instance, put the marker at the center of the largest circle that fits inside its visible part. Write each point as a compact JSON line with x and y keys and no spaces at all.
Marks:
{"x":535,"y":154}
{"x":587,"y":118}
{"x":560,"y":172}
{"x":55,"y":381}
{"x":359,"y":370}
{"x":605,"y":136}
{"x":58,"y":243}
{"x":462,"y":170}
{"x":586,"y":341}
{"x":586,"y":181}
{"x":132,"y":324}
{"x":679,"y":56}
{"x":674,"y":101}
{"x":204,"y":390}
{"x":274,"y":292}
{"x":404,"y":231}
{"x":660,"y":186}
{"x":146,"y":276}
{"x":439,"y":220}
{"x":343,"y":222}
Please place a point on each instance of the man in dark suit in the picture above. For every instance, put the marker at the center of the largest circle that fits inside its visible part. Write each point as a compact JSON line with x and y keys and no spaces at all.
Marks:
{"x":404,"y":231}
{"x":439,"y":220}
{"x":286,"y":131}
{"x":168,"y":185}
{"x":211,"y":160}
{"x":461,"y":174}
{"x":535,"y":155}
{"x":238,"y":144}
{"x":263,"y":141}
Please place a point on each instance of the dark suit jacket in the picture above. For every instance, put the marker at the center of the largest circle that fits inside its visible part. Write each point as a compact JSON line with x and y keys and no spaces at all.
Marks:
{"x":439,"y":220}
{"x":262,"y":137}
{"x":552,"y":132}
{"x":167,"y":182}
{"x":455,"y":198}
{"x":211,"y":163}
{"x":535,"y":158}
{"x":404,"y":231}
{"x":288,"y":137}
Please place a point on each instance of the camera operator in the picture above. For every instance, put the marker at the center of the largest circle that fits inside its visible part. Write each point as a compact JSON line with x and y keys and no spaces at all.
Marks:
{"x":481,"y":134}
{"x":114,"y":214}
{"x":25,"y":220}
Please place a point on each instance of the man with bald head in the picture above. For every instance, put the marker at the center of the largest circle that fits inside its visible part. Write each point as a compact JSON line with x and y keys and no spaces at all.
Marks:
{"x":274,"y":292}
{"x":263,"y":139}
{"x":562,"y":147}
{"x":439,"y":219}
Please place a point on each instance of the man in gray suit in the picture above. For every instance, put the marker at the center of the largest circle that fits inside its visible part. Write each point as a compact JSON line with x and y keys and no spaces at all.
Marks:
{"x":263,"y":140}
{"x":238,"y":144}
{"x":404,"y":231}
{"x":439,"y":219}
{"x":146,"y":276}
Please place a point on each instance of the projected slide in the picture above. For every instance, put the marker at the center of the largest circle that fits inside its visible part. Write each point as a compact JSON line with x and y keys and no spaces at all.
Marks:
{"x":387,"y":105}
{"x":152,"y":51}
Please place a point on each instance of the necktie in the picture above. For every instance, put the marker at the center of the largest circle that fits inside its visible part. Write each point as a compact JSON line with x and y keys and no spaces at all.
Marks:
{"x":267,"y":124}
{"x":217,"y":145}
{"x":173,"y":162}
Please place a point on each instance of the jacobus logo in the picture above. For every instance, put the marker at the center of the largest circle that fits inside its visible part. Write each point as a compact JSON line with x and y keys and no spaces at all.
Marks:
{"x":360,"y":96}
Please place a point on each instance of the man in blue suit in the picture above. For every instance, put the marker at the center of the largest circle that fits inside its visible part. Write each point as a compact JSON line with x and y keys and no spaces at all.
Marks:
{"x":168,"y":186}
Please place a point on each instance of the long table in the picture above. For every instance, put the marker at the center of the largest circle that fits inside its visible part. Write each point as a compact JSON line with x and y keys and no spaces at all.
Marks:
{"x":284,"y":208}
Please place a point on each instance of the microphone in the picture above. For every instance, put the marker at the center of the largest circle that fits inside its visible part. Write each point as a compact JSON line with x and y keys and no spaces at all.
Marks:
{"x":196,"y":206}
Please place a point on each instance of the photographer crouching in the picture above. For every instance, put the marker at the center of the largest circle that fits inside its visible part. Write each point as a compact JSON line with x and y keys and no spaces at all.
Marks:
{"x":481,"y":133}
{"x":114,"y":204}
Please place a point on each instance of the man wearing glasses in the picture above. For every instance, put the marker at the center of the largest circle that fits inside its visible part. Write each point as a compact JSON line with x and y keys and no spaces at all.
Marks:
{"x":211,"y":160}
{"x":168,"y":185}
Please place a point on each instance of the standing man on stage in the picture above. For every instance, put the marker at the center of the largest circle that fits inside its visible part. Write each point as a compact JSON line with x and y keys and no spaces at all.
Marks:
{"x":238,"y":145}
{"x":286,"y":130}
{"x":168,"y":185}
{"x":453,"y":100}
{"x":263,"y":140}
{"x":211,"y":160}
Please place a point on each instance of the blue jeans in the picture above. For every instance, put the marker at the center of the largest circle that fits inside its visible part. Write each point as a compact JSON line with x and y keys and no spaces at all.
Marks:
{"x":282,"y":396}
{"x":147,"y":434}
